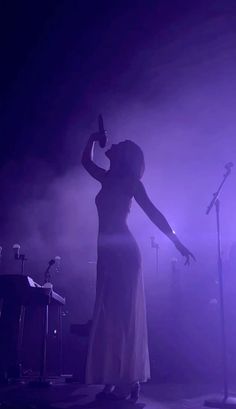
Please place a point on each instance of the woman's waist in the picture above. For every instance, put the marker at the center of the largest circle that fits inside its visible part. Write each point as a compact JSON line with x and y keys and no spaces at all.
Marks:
{"x":113,"y":226}
{"x":111,"y":237}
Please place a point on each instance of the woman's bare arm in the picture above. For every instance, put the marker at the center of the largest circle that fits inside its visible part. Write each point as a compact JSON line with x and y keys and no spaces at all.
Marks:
{"x":87,"y":159}
{"x":159,"y":220}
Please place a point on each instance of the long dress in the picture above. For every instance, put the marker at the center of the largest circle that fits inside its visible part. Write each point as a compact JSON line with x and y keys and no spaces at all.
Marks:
{"x":118,"y":344}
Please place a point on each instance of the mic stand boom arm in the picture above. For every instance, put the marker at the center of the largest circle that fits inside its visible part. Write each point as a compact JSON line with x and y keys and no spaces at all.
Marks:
{"x":228,"y":167}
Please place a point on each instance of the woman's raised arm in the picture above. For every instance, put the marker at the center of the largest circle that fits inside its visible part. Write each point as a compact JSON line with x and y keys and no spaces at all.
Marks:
{"x":159,"y":220}
{"x":87,"y":159}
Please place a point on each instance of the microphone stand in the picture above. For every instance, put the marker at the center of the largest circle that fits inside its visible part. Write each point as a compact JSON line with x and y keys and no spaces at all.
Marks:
{"x":225,"y":401}
{"x":21,"y":257}
{"x":155,"y":246}
{"x":42,"y":381}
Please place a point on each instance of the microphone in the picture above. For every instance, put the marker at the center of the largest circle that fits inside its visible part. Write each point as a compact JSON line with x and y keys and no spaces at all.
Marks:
{"x":102,"y":132}
{"x":57,"y":263}
{"x":154,"y":244}
{"x":16,"y":249}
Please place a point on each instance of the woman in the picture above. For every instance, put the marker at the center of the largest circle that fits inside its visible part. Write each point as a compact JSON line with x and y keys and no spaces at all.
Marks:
{"x":118,"y":349}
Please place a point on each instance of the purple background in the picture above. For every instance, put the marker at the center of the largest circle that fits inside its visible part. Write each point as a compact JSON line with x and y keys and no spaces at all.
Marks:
{"x":162,"y":74}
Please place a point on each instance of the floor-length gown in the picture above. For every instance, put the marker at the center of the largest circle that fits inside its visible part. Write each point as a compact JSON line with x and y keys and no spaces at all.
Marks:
{"x":118,"y":347}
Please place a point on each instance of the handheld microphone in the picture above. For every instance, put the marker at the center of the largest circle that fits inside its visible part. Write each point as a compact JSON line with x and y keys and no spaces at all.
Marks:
{"x":103,"y":134}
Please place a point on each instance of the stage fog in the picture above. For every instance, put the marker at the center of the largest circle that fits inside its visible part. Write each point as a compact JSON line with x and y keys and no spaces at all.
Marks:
{"x":176,"y":99}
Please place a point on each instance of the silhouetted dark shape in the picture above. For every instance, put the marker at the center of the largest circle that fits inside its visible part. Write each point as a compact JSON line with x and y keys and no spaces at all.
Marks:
{"x":118,"y":347}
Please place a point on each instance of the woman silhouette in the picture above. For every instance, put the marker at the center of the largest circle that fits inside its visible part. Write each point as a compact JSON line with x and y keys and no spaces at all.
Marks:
{"x":118,"y":349}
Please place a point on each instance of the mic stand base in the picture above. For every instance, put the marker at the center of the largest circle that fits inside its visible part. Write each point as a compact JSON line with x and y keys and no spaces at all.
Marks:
{"x":229,"y":402}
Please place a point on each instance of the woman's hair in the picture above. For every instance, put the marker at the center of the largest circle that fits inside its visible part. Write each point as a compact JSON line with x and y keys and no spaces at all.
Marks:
{"x":132,"y":159}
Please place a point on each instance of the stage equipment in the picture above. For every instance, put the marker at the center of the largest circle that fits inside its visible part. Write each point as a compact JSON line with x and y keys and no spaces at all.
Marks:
{"x":102,"y":132}
{"x":17,"y":291}
{"x":225,"y":401}
{"x":47,"y":275}
{"x":82,"y":330}
{"x":21,"y":257}
{"x":155,"y":246}
{"x":57,"y":263}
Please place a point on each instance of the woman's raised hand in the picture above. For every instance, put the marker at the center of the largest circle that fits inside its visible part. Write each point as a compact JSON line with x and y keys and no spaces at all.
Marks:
{"x":95,"y":136}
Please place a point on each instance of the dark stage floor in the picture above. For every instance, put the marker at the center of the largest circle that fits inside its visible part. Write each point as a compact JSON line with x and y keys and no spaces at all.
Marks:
{"x":62,"y":396}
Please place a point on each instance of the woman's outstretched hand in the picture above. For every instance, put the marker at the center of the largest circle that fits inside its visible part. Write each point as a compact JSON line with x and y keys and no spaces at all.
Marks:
{"x":185,"y":253}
